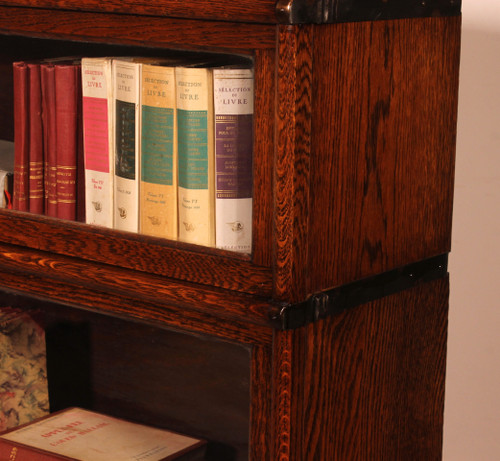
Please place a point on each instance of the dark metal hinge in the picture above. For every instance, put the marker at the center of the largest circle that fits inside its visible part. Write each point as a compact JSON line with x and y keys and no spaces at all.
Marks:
{"x":331,"y":11}
{"x":336,"y":300}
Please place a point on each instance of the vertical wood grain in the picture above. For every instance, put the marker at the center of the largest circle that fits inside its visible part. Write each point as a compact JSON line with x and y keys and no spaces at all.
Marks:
{"x":292,"y":160}
{"x":261,"y":405}
{"x":263,"y":157}
{"x":384,"y":128}
{"x":282,"y":395}
{"x":374,"y":380}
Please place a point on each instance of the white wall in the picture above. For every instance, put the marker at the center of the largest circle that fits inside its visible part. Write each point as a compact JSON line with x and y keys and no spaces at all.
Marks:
{"x":472,"y":403}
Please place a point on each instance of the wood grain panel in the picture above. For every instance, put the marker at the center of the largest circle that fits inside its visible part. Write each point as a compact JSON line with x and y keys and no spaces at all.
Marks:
{"x":375,"y":379}
{"x":261,"y":405}
{"x":134,"y":251}
{"x":292,"y":161}
{"x":384,"y":128}
{"x":134,"y":309}
{"x":282,"y":396}
{"x":244,"y":10}
{"x":101,"y":286}
{"x":136,"y":30}
{"x":263,"y":156}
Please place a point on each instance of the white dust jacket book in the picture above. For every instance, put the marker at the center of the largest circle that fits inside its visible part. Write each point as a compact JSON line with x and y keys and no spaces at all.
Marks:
{"x":97,"y":92}
{"x":126,"y":79}
{"x":233,"y":109}
{"x":195,"y":155}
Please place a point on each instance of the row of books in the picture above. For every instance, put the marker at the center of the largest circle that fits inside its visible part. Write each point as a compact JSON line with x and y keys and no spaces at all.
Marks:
{"x":156,"y":146}
{"x":28,"y":431}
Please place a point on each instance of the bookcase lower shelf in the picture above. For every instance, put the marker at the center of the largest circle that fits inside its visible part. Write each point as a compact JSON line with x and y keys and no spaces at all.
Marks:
{"x":367,"y":383}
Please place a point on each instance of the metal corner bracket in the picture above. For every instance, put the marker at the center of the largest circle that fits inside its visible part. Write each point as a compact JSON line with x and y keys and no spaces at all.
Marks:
{"x":336,"y":300}
{"x":332,"y":11}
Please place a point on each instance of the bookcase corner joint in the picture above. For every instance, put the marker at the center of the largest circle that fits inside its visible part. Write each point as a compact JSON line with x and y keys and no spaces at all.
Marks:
{"x":335,"y":300}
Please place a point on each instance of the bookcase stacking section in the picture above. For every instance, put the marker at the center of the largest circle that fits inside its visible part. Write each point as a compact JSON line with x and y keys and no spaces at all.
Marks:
{"x":129,"y":143}
{"x":313,"y":145}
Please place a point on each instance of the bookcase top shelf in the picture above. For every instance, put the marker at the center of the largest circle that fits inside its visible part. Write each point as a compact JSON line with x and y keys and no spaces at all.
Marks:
{"x":136,"y":30}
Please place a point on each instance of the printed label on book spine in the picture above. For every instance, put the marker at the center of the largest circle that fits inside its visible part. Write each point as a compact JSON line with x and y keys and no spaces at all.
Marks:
{"x":127,"y":148}
{"x":95,"y":115}
{"x":158,"y":195}
{"x":125,"y":140}
{"x":193,"y":149}
{"x":196,"y":156}
{"x":233,"y":107}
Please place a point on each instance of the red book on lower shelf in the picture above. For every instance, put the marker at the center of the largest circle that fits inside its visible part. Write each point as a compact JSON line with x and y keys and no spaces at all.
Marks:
{"x":78,"y":434}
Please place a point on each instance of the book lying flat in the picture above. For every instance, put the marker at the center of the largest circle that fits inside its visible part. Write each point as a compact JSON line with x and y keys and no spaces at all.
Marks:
{"x":78,"y":434}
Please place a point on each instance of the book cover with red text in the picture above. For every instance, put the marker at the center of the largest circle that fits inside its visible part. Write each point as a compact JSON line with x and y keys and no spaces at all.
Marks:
{"x":84,"y":435}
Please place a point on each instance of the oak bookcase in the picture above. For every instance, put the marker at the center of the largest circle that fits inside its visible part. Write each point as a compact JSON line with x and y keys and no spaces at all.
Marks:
{"x":328,"y":342}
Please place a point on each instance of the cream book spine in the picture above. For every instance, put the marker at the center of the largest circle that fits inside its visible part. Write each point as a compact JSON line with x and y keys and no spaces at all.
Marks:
{"x":195,"y":155}
{"x":126,"y":87}
{"x":97,"y":92}
{"x":158,"y":185}
{"x":233,"y":109}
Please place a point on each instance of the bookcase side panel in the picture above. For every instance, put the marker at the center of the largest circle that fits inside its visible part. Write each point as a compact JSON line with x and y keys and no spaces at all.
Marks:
{"x":373,"y":380}
{"x":384,"y":129}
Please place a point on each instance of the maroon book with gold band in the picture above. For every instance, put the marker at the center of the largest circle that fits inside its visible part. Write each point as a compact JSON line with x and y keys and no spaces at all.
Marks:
{"x":67,"y":85}
{"x":35,"y":170}
{"x":21,"y":137}
{"x":49,"y":131}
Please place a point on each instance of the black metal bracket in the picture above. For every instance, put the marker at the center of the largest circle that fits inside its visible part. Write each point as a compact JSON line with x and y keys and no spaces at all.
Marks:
{"x":336,"y":300}
{"x":332,"y":11}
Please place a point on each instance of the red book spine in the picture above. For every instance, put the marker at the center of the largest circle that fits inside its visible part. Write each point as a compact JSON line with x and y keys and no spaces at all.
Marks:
{"x":11,"y":451}
{"x":67,"y":78}
{"x":21,"y":137}
{"x":49,"y":133}
{"x":80,"y":160}
{"x":36,"y":180}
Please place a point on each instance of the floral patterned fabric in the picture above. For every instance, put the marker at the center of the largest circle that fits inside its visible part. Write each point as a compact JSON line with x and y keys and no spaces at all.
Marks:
{"x":23,"y":369}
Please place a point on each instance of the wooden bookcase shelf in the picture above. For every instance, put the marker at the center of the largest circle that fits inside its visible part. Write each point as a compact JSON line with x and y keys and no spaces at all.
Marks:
{"x":322,"y":344}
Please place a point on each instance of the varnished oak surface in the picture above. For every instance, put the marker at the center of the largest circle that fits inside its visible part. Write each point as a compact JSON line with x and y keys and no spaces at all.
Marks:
{"x":147,"y":255}
{"x":369,"y":384}
{"x":122,"y":292}
{"x":383,"y":146}
{"x":136,"y":30}
{"x":292,"y":167}
{"x":243,"y":10}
